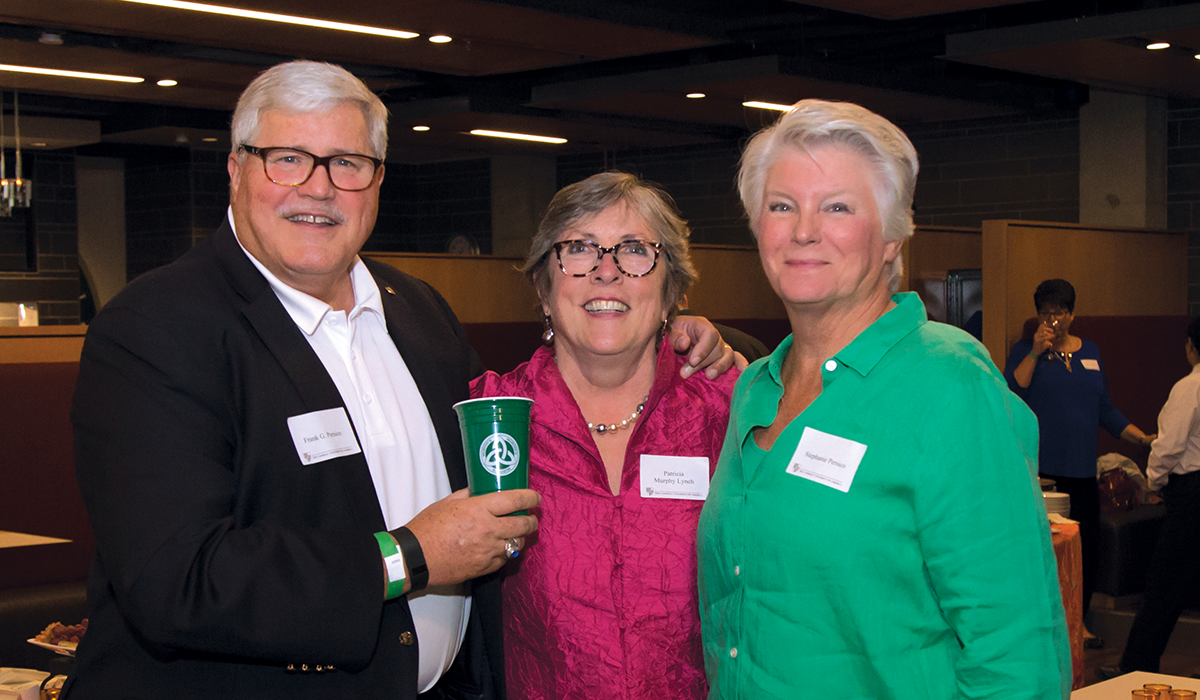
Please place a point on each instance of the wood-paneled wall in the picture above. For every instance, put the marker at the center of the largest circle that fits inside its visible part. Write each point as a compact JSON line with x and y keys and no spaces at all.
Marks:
{"x":1115,"y":272}
{"x":21,"y":344}
{"x":486,"y":289}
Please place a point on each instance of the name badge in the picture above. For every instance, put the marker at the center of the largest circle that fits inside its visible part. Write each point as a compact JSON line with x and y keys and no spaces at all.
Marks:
{"x":1093,"y":365}
{"x":323,"y":435}
{"x":683,"y":478}
{"x":827,"y":459}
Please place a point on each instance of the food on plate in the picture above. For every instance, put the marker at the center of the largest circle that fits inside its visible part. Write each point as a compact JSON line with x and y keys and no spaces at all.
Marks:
{"x":58,"y":634}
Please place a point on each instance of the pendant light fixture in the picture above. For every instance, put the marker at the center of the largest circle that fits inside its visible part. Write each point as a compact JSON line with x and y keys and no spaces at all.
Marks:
{"x":17,"y":191}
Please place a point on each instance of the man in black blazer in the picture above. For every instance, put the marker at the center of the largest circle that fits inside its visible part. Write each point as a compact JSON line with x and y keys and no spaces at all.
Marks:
{"x":235,"y":549}
{"x":265,"y":443}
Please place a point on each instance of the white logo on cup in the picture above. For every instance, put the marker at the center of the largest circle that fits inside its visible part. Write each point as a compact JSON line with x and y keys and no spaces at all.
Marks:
{"x":499,"y":454}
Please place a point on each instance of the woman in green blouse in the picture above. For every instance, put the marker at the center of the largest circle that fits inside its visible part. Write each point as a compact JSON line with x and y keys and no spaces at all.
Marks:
{"x":875,"y":527}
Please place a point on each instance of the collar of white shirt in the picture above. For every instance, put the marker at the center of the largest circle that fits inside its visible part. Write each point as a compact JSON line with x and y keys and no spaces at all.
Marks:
{"x":308,"y":311}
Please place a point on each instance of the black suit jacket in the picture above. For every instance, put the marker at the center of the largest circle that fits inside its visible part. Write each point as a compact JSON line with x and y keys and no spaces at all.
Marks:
{"x":221,"y":558}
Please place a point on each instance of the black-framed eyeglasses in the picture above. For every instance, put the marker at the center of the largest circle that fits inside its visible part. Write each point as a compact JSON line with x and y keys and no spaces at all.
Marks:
{"x":634,"y":258}
{"x":291,"y":167}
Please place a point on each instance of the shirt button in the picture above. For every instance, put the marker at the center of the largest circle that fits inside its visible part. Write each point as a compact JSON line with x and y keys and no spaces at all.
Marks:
{"x":830,"y":365}
{"x":333,"y":320}
{"x":367,"y":399}
{"x":737,"y":571}
{"x":733,"y":653}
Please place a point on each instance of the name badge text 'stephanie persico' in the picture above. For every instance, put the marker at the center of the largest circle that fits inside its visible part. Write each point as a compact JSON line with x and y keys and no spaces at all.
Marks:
{"x":826,"y":459}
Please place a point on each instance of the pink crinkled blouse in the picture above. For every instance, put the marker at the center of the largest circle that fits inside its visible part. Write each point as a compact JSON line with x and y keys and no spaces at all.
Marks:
{"x":602,"y":601}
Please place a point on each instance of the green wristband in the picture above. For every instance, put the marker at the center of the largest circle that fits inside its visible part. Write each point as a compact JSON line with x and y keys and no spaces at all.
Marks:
{"x":1035,"y":355}
{"x":393,"y":561}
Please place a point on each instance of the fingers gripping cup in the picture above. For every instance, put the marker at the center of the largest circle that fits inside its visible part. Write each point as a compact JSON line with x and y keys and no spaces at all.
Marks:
{"x":495,"y":436}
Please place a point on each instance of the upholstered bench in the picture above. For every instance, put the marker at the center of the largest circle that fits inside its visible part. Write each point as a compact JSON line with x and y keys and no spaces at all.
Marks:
{"x":1126,"y":545}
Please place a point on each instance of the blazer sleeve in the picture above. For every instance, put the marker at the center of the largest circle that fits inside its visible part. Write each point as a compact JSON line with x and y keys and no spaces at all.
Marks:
{"x":204,"y":554}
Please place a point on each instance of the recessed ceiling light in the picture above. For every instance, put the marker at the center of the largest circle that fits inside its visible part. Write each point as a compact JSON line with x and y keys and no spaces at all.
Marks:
{"x":695,"y":95}
{"x":38,"y":143}
{"x":420,"y":128}
{"x":1158,"y":45}
{"x":768,"y":105}
{"x":209,"y":139}
{"x":72,"y":74}
{"x":167,"y":82}
{"x":519,"y":137}
{"x":273,"y":17}
{"x":51,"y":38}
{"x":440,"y":39}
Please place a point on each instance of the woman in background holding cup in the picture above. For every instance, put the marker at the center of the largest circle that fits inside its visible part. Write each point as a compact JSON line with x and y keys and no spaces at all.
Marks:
{"x":602,"y":603}
{"x":1062,"y":379}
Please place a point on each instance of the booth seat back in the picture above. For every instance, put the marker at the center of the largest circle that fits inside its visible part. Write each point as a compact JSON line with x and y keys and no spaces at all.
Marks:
{"x":40,"y":493}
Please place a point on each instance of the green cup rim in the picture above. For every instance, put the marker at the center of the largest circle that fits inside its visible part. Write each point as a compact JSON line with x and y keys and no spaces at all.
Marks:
{"x":490,"y":399}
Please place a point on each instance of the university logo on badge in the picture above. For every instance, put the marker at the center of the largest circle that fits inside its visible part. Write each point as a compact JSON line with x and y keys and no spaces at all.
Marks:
{"x":499,"y":454}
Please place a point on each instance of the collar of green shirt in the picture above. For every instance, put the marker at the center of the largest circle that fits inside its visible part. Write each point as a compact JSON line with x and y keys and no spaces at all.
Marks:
{"x":865,"y":351}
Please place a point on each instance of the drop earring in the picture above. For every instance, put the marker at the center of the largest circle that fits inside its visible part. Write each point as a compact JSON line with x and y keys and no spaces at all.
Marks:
{"x":548,"y":334}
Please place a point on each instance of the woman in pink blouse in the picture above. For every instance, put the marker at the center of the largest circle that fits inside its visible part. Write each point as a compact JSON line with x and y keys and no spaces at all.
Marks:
{"x":623,"y":439}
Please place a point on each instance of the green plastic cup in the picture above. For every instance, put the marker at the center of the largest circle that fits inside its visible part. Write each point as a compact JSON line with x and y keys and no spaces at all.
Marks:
{"x":495,"y":435}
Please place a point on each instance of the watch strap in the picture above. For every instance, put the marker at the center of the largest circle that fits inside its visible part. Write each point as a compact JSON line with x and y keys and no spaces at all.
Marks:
{"x":414,"y":556}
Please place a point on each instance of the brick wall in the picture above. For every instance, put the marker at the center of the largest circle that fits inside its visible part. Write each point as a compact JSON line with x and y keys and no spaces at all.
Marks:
{"x":1012,"y":168}
{"x":421,"y":207}
{"x":210,"y":192}
{"x":1183,"y":186}
{"x":158,"y":210}
{"x":54,"y":285}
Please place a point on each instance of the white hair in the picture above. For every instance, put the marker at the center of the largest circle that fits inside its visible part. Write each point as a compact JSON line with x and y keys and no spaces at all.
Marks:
{"x":815,"y":123}
{"x":301,"y":87}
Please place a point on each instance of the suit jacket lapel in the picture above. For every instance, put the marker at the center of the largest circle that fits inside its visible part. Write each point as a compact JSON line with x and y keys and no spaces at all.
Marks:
{"x":287,"y":344}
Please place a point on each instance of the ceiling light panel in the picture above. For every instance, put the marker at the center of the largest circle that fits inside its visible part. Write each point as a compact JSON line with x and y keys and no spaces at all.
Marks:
{"x":519,"y":137}
{"x":274,"y":17}
{"x":71,"y":74}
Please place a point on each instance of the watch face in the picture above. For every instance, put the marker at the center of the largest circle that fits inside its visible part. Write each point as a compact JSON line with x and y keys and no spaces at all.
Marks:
{"x":462,"y":245}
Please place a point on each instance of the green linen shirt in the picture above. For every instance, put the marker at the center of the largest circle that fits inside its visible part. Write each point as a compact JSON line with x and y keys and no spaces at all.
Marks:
{"x":933,"y":576}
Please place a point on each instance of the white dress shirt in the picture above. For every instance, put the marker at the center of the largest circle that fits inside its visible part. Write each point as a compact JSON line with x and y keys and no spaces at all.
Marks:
{"x":1176,"y":450}
{"x":398,"y":438}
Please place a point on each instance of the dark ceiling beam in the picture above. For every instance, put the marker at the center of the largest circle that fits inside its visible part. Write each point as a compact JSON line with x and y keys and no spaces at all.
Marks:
{"x":1109,"y":26}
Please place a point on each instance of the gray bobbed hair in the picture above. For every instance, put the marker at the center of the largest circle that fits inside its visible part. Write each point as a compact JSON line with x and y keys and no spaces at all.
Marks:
{"x":590,"y":197}
{"x":812,"y":124}
{"x":301,"y":87}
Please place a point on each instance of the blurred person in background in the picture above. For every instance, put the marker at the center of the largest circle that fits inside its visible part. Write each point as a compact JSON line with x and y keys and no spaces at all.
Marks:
{"x":1061,"y":377}
{"x":1174,"y":470}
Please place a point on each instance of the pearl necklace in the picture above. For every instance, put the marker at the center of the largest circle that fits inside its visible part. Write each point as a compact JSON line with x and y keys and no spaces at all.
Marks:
{"x":602,"y":428}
